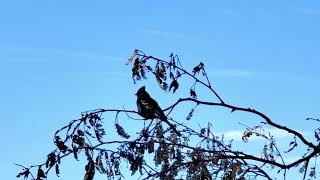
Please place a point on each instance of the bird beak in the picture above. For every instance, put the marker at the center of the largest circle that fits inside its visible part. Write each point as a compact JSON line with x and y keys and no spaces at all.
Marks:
{"x":135,"y":94}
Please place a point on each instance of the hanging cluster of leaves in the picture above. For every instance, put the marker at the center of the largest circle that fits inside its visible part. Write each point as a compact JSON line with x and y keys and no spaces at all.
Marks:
{"x":121,"y":131}
{"x":162,"y":70}
{"x":198,"y":68}
{"x":139,"y":68}
{"x":155,"y":152}
{"x":25,"y":173}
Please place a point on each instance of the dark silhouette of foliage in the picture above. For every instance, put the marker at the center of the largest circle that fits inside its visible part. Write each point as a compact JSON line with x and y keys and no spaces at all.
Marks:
{"x":192,"y":153}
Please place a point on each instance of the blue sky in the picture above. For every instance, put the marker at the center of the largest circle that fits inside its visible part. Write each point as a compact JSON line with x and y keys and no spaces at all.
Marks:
{"x":60,"y":58}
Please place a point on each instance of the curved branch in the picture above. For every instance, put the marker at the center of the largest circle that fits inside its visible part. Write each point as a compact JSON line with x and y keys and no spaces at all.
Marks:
{"x":235,"y":108}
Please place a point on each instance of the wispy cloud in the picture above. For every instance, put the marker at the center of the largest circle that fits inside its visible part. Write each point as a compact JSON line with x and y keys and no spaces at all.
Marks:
{"x":236,"y":135}
{"x":47,"y":55}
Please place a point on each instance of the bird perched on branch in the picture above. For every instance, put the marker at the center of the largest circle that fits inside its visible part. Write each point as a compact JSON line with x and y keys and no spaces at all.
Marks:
{"x":149,"y":108}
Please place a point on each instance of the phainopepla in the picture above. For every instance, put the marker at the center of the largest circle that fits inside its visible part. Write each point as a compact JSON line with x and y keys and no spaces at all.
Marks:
{"x":149,"y":108}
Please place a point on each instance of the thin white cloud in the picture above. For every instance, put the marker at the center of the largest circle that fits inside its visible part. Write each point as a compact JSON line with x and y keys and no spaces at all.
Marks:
{"x":236,"y":135}
{"x":47,"y":55}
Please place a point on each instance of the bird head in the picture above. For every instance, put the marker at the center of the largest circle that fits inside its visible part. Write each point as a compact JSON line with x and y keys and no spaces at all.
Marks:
{"x":141,"y":91}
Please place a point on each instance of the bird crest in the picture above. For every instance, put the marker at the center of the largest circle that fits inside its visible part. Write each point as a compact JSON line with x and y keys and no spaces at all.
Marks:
{"x":141,"y":90}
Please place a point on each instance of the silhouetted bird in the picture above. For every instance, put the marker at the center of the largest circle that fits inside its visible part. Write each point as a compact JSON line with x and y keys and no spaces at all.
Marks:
{"x":149,"y":108}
